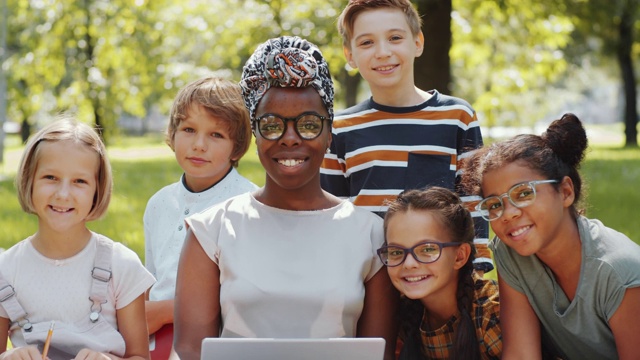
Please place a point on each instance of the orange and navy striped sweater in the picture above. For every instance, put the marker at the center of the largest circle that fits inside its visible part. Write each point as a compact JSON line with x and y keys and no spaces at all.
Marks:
{"x":378,"y":151}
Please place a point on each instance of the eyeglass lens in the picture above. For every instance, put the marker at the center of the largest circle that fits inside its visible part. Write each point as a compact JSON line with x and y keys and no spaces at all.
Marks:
{"x":424,"y":253}
{"x":308,"y":126}
{"x":521,"y":195}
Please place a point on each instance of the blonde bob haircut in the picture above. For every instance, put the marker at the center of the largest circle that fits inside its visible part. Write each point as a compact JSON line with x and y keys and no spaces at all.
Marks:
{"x":65,"y":128}
{"x":221,"y":99}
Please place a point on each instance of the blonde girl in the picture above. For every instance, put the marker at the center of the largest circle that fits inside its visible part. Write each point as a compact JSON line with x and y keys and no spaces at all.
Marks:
{"x":91,"y":288}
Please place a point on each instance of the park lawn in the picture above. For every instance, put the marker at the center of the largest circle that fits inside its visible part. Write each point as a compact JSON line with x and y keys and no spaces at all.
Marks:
{"x":611,"y":175}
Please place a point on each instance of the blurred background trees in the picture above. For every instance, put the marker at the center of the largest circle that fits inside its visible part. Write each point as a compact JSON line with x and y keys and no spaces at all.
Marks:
{"x":120,"y":62}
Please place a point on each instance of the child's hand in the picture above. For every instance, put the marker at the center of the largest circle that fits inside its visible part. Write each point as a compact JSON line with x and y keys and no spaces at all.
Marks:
{"x":88,"y":354}
{"x":30,"y":352}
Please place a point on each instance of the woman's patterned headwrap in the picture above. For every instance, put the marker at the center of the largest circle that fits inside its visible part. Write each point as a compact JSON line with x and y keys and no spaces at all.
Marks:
{"x":287,"y":61}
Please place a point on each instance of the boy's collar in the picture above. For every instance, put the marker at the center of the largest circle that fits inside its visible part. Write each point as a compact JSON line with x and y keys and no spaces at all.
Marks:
{"x":404,"y":109}
{"x":183,"y":180}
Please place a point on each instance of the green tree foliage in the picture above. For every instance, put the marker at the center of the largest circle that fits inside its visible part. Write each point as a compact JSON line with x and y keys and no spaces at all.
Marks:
{"x":3,"y":78}
{"x":505,"y":56}
{"x":19,"y":66}
{"x":95,"y":58}
{"x":105,"y":59}
{"x":236,"y":28}
{"x":609,"y":28}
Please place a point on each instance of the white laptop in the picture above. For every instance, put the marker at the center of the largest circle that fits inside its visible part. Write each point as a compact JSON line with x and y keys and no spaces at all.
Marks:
{"x":292,"y":349}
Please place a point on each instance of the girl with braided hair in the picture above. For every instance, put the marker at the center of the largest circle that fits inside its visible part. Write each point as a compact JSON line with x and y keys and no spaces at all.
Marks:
{"x":447,"y":311}
{"x":569,"y":286}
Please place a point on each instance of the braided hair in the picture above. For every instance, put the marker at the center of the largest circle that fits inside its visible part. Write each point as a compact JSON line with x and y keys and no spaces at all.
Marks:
{"x":451,"y":212}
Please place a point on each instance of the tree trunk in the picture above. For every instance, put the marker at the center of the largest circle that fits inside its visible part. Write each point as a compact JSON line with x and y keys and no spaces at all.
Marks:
{"x":433,"y":68}
{"x":625,"y":31}
{"x":25,"y":130}
{"x":350,"y":85}
{"x":94,"y":93}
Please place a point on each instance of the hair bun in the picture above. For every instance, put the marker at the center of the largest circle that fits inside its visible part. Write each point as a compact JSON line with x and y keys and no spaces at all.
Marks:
{"x":567,"y":138}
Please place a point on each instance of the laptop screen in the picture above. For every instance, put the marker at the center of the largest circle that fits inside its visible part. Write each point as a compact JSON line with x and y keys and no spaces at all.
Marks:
{"x":298,"y":349}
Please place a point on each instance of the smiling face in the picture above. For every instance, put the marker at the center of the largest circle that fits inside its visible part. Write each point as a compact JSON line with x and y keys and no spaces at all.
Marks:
{"x":64,"y":186}
{"x":432,"y":282}
{"x":535,"y":228}
{"x":292,"y":163}
{"x":383,"y":48}
{"x":203,"y":148}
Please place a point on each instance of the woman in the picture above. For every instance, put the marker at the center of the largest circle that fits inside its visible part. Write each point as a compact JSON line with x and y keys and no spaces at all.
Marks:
{"x":288,"y":260}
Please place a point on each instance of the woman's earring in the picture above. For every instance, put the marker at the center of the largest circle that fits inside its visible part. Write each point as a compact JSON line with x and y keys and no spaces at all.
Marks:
{"x":328,"y":151}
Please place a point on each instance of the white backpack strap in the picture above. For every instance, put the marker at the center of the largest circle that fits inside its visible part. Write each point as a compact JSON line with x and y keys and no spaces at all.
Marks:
{"x":11,"y":305}
{"x":101,"y":274}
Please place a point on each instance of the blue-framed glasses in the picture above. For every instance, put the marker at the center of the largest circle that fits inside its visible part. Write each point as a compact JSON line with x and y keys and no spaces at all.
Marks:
{"x":520,"y":195}
{"x":424,"y":252}
{"x":308,"y":125}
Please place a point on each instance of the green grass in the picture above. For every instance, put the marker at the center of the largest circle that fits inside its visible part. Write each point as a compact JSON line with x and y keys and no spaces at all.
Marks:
{"x":612,"y":176}
{"x":141,"y":167}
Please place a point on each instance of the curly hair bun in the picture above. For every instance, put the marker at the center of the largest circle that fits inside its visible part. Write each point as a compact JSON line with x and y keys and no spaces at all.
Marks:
{"x":568,"y":139}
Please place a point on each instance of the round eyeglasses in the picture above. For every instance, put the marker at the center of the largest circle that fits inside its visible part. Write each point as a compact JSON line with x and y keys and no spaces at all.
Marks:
{"x":520,"y":195}
{"x":424,"y":252}
{"x":308,"y":125}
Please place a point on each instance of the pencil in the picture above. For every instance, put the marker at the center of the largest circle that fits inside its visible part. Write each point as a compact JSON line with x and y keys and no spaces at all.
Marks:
{"x":48,"y":341}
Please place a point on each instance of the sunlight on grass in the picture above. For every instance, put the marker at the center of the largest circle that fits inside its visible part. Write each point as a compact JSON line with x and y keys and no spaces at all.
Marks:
{"x":612,"y":176}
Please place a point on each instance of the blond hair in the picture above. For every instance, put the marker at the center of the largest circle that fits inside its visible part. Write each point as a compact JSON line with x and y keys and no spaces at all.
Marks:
{"x":65,"y":128}
{"x":348,"y":16}
{"x":220,"y":98}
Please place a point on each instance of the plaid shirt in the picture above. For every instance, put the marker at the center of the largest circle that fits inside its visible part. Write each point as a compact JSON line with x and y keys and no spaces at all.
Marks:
{"x":437,"y":344}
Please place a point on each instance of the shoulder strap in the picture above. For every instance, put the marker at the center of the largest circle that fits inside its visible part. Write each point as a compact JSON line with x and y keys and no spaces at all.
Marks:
{"x":11,"y":305}
{"x":101,"y":274}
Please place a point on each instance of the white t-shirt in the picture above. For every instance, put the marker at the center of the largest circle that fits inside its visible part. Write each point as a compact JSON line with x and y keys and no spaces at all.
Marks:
{"x":164,"y":231}
{"x":59,"y":290}
{"x":290,"y":274}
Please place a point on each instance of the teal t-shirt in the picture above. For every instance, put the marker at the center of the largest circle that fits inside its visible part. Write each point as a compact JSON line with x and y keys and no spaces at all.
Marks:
{"x":577,"y":329}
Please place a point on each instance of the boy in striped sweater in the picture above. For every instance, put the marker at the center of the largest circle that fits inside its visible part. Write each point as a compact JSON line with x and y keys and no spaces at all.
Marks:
{"x":402,"y":137}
